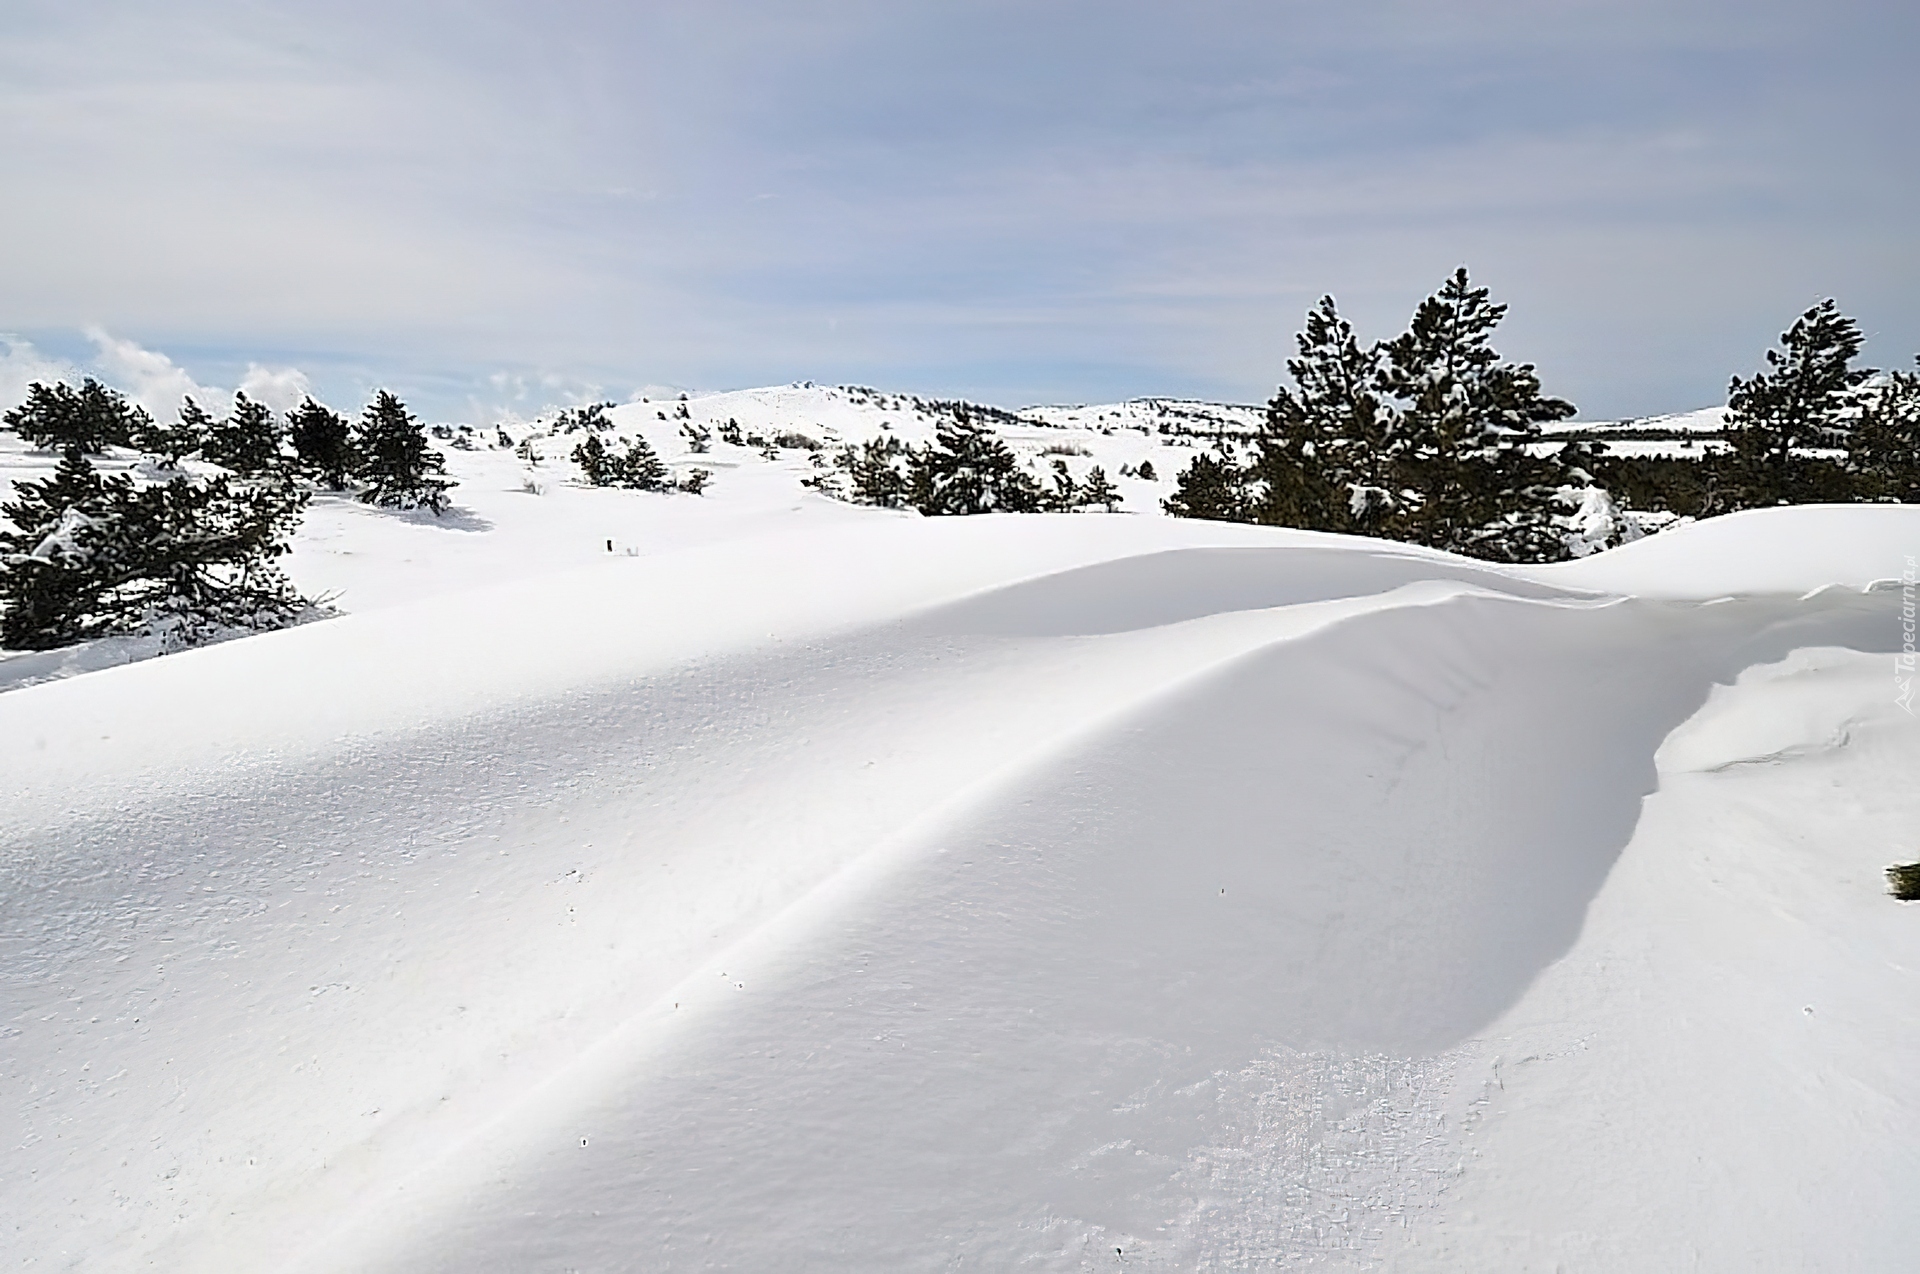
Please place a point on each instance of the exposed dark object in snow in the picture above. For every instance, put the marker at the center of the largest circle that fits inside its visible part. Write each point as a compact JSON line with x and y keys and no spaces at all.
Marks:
{"x":1903,"y":881}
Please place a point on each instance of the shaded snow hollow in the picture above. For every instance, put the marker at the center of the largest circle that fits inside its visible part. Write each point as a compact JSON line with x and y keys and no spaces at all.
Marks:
{"x":832,"y":890}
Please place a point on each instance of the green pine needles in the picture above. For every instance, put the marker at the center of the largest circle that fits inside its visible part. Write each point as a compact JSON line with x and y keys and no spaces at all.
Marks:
{"x":1903,"y":881}
{"x":1434,"y":438}
{"x":86,"y":554}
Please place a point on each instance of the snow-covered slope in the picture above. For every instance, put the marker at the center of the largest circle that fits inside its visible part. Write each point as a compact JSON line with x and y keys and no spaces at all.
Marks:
{"x":824,"y":889}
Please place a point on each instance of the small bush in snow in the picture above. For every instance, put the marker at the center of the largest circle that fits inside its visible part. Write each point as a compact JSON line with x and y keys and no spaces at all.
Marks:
{"x":1903,"y":882}
{"x":637,"y":468}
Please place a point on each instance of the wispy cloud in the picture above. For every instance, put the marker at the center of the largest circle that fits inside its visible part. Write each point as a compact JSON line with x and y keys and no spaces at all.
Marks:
{"x":1011,"y":200}
{"x":21,"y":365}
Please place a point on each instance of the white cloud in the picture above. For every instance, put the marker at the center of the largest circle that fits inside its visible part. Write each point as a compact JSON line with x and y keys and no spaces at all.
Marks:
{"x":280,"y":388}
{"x":149,"y":377}
{"x":21,"y":365}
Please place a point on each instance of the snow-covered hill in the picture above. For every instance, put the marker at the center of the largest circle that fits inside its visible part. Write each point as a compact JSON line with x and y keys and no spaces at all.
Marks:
{"x":805,"y":887}
{"x":751,"y":880}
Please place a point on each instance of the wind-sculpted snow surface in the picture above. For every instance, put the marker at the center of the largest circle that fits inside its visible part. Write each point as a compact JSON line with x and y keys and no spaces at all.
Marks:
{"x":992,"y":893}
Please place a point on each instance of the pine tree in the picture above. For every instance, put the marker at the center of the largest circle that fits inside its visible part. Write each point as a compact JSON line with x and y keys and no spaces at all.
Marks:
{"x":638,"y":468}
{"x":90,"y":556}
{"x":1213,"y":487}
{"x":48,"y":577}
{"x":642,"y":469}
{"x":1805,"y":398}
{"x":91,"y":418}
{"x":247,"y":442}
{"x":400,"y":467}
{"x":1883,"y":449}
{"x":1326,"y":456}
{"x":968,"y":469}
{"x":323,"y":441}
{"x":1065,"y":495}
{"x":198,"y":558}
{"x":1464,"y":422}
{"x":173,"y":443}
{"x":874,"y":471}
{"x":1098,"y":492}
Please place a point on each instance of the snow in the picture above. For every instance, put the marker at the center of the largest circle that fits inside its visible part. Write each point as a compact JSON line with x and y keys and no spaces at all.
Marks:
{"x":806,"y":887}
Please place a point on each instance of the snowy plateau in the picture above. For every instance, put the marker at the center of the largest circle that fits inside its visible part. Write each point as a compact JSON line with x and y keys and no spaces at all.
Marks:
{"x":752,"y":881}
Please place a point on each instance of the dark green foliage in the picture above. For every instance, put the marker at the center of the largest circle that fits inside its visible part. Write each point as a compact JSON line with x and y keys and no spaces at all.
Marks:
{"x":593,"y":416}
{"x":1464,"y":419}
{"x":247,"y":442}
{"x":175,"y":442}
{"x":323,"y":440}
{"x":1327,"y":456}
{"x":399,"y":466}
{"x":1903,"y":881}
{"x":46,"y":586}
{"x":90,"y":556}
{"x":1429,"y":437}
{"x":699,"y":438}
{"x":730,"y":433}
{"x":1661,"y":484}
{"x":1883,"y":451}
{"x":91,"y":418}
{"x":1098,"y":492}
{"x":874,"y":471}
{"x":1146,"y":471}
{"x":967,"y":470}
{"x":1804,"y":399}
{"x":637,"y":468}
{"x":695,"y":481}
{"x":1064,"y":497}
{"x":1213,"y":487}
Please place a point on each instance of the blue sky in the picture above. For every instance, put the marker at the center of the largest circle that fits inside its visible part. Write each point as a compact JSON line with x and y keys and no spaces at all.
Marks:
{"x":501,"y":205}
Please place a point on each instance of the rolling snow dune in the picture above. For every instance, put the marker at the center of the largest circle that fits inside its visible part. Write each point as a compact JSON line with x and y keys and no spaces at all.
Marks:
{"x":1054,"y":893}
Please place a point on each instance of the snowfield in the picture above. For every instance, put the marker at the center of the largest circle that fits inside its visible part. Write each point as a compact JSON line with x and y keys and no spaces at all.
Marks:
{"x":802,"y":887}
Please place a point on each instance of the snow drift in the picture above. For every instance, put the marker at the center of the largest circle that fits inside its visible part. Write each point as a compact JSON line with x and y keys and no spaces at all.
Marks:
{"x":1032,"y":892}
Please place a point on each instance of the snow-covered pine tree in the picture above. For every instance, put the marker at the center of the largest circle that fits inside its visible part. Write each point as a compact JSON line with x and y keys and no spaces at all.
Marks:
{"x":968,"y":469}
{"x":49,"y":580}
{"x":323,"y":440}
{"x":1805,"y":398}
{"x":198,"y":559}
{"x":1464,"y":423}
{"x":91,"y":418}
{"x":1883,"y":449}
{"x":1325,"y":459}
{"x":400,"y":467}
{"x":247,"y":442}
{"x":89,"y":556}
